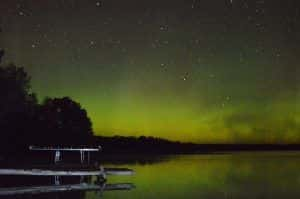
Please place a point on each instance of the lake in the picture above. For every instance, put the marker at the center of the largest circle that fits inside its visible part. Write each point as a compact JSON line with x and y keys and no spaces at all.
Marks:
{"x":236,"y":175}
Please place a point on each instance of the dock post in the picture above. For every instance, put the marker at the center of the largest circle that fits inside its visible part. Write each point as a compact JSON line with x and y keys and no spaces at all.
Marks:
{"x":103,"y":175}
{"x":81,"y":179}
{"x":57,"y":180}
{"x":57,"y":156}
{"x":102,"y":188}
{"x":82,"y":157}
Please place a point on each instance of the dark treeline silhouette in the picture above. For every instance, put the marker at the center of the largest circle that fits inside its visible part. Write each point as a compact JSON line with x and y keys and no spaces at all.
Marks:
{"x":152,"y":145}
{"x":143,"y":145}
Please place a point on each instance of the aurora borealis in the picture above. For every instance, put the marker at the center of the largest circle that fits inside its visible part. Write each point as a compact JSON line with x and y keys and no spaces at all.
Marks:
{"x":206,"y":71}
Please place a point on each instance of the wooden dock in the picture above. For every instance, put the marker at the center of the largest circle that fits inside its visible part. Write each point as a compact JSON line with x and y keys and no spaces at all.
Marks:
{"x":63,"y":188}
{"x":71,"y":171}
{"x":45,"y":172}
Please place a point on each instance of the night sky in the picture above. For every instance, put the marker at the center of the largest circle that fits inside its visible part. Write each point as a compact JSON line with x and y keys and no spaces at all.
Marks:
{"x":206,"y":71}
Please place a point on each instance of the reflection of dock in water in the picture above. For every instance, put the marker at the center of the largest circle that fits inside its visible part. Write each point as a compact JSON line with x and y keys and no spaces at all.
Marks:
{"x":63,"y":188}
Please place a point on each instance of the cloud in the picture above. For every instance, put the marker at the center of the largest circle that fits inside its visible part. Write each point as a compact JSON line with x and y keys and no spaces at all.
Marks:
{"x":262,"y":126}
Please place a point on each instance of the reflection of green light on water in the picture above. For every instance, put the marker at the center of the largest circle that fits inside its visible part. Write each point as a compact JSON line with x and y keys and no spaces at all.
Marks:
{"x":214,"y":176}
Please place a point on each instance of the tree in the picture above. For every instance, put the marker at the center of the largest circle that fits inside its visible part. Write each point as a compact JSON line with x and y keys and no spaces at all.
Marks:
{"x":17,"y":105}
{"x":15,"y":89}
{"x":65,"y":121}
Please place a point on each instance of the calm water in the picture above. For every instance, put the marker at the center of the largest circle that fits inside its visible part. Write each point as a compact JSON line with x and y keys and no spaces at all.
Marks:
{"x":240,"y":175}
{"x":245,"y":175}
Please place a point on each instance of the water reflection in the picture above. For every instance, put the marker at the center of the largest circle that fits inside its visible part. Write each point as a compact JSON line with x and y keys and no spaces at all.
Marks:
{"x":237,"y":176}
{"x":64,"y":190}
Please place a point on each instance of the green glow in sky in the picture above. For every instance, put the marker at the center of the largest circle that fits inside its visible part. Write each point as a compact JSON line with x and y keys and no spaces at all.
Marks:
{"x":201,"y":71}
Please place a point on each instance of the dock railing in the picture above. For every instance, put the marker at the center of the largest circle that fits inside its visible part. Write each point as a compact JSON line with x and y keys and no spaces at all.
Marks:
{"x":84,"y":151}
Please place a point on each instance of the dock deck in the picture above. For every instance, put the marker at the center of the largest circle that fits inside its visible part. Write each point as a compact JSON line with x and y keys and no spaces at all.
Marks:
{"x":51,"y":172}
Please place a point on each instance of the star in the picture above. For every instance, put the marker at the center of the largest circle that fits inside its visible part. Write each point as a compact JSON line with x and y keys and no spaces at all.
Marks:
{"x":98,"y":3}
{"x":163,"y":28}
{"x":185,"y":76}
{"x":212,"y":76}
